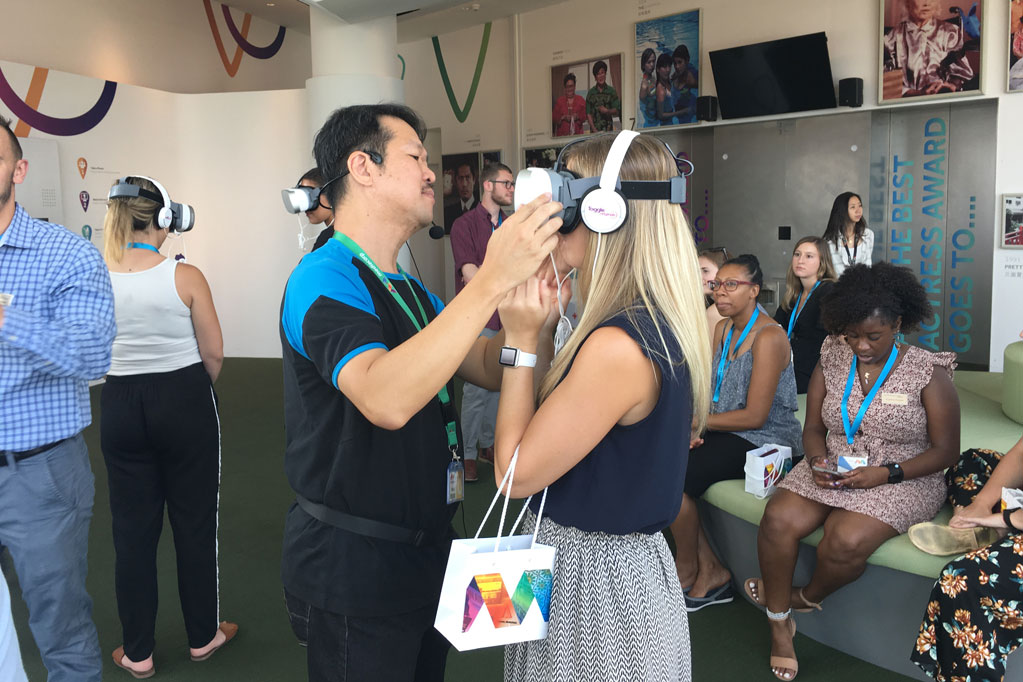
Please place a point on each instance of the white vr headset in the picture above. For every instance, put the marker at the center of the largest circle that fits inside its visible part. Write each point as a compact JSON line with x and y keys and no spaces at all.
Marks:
{"x":173,"y":216}
{"x":301,"y":199}
{"x":599,"y":203}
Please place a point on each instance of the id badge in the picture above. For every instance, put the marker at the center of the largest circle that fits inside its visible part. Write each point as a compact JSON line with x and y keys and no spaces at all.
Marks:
{"x":456,"y":482}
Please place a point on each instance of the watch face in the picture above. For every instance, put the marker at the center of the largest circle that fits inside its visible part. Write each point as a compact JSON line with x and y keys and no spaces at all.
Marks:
{"x":508,"y":356}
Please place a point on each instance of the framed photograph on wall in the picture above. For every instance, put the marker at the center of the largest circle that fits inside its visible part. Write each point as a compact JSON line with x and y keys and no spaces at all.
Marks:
{"x":585,"y":96}
{"x":1012,"y":222}
{"x":540,"y":157}
{"x":667,"y":66}
{"x":929,"y":49}
{"x":460,"y":172}
{"x":1015,"y":46}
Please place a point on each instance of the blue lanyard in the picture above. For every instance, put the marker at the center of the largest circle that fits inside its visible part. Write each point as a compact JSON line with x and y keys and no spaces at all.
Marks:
{"x":799,"y":308}
{"x":140,"y":245}
{"x":851,"y":429}
{"x":726,"y":349}
{"x":500,"y":219}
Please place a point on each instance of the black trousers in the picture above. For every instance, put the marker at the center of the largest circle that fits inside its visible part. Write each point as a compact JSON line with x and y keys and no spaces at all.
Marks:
{"x":402,"y":648}
{"x":160,"y":436}
{"x":721,"y":457}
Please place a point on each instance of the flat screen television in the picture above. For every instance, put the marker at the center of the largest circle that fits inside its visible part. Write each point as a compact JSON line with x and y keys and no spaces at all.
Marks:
{"x":776,"y":77}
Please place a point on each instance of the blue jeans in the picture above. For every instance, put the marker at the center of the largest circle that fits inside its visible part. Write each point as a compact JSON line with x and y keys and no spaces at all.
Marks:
{"x":45,"y":509}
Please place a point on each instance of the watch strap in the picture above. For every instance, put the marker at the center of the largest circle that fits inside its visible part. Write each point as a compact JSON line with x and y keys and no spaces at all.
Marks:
{"x":896,"y":474}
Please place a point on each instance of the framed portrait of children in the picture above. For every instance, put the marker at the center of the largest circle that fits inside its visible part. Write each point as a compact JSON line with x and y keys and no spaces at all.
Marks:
{"x":1015,"y":46}
{"x":1012,"y":221}
{"x":668,"y":70}
{"x":585,"y":96}
{"x":928,"y":49}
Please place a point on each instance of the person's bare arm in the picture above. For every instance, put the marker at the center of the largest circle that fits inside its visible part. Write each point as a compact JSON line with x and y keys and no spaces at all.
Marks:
{"x":390,"y":386}
{"x":195,"y":292}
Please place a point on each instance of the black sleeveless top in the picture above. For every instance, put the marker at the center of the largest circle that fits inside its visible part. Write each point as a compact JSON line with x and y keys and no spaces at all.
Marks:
{"x":632,"y":481}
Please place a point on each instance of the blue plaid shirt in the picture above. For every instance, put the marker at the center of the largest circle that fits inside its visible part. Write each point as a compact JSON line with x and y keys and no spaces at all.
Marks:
{"x":56,"y":333}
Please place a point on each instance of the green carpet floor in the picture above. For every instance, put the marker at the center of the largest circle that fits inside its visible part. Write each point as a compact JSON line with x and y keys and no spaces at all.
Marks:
{"x":728,"y":642}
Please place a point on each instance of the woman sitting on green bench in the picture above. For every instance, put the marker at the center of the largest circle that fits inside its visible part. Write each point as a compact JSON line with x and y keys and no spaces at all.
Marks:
{"x":974,"y":618}
{"x":871,"y":397}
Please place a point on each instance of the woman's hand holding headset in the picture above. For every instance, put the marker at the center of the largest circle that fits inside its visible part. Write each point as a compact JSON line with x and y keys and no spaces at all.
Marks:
{"x":525,"y":311}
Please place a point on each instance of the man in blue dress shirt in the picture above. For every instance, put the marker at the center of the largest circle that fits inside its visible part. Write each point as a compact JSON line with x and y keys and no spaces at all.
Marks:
{"x":56,"y":330}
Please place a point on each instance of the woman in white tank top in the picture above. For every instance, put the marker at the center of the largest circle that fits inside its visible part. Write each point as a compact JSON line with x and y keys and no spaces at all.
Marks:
{"x":159,"y":428}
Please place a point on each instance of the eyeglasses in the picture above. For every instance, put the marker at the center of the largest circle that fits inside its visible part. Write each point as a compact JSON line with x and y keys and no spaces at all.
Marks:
{"x":727,"y":285}
{"x":508,"y":184}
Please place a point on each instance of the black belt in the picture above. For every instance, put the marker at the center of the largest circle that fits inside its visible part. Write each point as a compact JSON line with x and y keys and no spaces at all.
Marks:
{"x":368,"y":527}
{"x":25,"y":454}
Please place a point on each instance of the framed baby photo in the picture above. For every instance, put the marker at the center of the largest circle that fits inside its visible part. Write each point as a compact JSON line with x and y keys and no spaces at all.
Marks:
{"x":667,"y":67}
{"x":1012,"y":221}
{"x":928,"y":49}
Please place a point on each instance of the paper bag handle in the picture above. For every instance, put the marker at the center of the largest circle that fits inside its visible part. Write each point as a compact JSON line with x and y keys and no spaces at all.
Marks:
{"x":506,"y":483}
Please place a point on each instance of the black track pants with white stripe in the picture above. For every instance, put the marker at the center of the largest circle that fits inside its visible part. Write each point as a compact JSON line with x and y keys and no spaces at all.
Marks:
{"x":160,"y":435}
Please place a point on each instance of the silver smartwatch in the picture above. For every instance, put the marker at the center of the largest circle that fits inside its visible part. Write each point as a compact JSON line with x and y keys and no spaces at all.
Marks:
{"x":514,"y":357}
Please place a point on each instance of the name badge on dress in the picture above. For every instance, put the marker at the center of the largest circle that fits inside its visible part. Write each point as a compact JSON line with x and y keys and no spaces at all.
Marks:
{"x":6,"y":299}
{"x":456,"y":482}
{"x":894,"y":399}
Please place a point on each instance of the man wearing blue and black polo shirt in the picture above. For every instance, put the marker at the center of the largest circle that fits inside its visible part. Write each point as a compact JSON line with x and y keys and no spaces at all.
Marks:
{"x":373,"y":446}
{"x":56,"y":330}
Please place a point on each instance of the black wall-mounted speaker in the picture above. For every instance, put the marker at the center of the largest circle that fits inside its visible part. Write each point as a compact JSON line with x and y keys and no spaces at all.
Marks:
{"x":850,"y":92}
{"x":707,"y":108}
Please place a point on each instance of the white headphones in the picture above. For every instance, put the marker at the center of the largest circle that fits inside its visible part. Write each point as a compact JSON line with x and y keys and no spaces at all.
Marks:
{"x":599,"y":203}
{"x":172,"y":215}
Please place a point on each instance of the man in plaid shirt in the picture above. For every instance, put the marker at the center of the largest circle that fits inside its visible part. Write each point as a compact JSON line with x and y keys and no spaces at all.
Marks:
{"x":56,"y":330}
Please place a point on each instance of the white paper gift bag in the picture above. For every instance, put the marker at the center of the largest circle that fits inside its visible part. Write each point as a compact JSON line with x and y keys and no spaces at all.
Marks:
{"x":497,"y":591}
{"x":765,"y":466}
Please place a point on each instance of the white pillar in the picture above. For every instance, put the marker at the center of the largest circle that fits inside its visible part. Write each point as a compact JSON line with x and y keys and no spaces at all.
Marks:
{"x":352,"y":64}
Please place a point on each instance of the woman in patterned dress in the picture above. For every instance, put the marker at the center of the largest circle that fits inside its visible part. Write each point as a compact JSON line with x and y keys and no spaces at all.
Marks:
{"x":974,"y":618}
{"x":613,"y":407}
{"x":909,"y":433}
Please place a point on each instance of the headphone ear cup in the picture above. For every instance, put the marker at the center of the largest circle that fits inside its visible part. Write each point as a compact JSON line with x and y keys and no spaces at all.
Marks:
{"x":603,"y":210}
{"x":165,"y":218}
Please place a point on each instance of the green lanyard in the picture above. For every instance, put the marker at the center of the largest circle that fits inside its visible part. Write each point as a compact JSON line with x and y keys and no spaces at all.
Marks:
{"x":442,"y":394}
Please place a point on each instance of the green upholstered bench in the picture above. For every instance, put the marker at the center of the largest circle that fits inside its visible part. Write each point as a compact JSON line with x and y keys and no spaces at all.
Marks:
{"x":877,"y":617}
{"x":1012,"y":385}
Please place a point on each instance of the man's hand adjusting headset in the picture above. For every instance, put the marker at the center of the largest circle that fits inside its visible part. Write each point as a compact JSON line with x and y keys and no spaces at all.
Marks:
{"x":599,"y":203}
{"x":172,"y":215}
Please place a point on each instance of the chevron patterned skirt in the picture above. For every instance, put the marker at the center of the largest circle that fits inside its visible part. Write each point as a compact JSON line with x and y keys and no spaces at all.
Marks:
{"x":617,"y":612}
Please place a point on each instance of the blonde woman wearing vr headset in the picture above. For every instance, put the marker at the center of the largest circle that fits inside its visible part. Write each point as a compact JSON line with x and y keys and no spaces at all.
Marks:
{"x":159,"y":427}
{"x":614,"y":415}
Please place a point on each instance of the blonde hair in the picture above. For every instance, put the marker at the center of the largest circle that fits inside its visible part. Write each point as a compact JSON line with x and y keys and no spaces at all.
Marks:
{"x":825,"y":271}
{"x":650,"y":263}
{"x":125,"y":216}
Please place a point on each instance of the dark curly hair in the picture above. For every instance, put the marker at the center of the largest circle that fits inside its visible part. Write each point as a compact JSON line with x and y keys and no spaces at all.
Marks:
{"x":886,"y":290}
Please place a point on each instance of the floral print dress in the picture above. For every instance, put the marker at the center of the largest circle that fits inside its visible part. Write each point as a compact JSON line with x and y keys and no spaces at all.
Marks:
{"x":974,"y":618}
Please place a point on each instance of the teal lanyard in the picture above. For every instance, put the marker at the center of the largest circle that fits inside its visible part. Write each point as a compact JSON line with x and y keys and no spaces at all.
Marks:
{"x":799,"y":308}
{"x":442,"y":394}
{"x":141,"y":245}
{"x":726,"y":349}
{"x":851,"y":429}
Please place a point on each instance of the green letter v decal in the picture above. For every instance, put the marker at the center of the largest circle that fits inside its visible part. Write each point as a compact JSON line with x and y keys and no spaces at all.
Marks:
{"x":462,"y":114}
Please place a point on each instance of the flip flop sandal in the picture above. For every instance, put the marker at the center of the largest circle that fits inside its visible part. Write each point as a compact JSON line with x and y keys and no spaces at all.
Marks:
{"x":719,"y":595}
{"x":145,"y":674}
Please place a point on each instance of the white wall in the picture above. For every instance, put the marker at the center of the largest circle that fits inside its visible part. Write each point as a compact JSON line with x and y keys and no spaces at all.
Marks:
{"x":162,"y":44}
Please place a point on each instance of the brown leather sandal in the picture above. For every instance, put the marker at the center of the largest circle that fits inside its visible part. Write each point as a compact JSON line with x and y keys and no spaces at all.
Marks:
{"x":786,"y":662}
{"x":229,"y":630}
